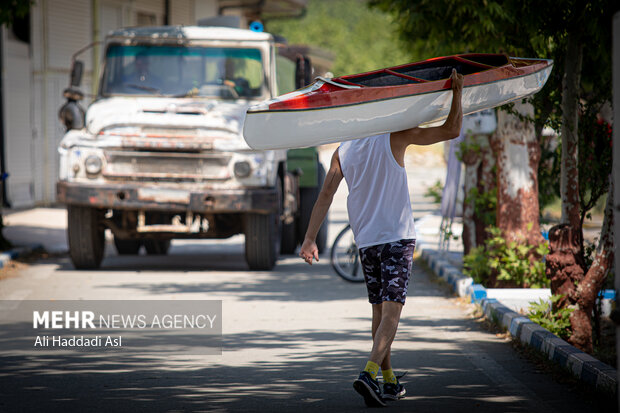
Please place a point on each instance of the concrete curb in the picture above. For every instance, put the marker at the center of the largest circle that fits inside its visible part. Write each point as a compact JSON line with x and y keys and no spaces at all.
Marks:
{"x":463,"y":286}
{"x":582,"y":365}
{"x":585,"y":367}
{"x":17,"y":252}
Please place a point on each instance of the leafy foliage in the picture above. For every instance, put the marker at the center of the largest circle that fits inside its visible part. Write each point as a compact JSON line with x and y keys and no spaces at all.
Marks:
{"x":548,"y":172}
{"x":13,"y":9}
{"x":533,"y":28}
{"x":507,"y":262}
{"x":547,"y":316}
{"x":595,"y":159}
{"x":435,"y":192}
{"x":447,"y":27}
{"x":360,"y":39}
{"x":485,"y":205}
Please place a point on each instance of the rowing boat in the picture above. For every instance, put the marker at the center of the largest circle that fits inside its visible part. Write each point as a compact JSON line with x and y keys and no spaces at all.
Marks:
{"x":391,"y":99}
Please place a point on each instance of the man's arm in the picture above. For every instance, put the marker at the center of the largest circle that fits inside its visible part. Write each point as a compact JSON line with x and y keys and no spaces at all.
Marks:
{"x":309,"y":250}
{"x":450,"y":129}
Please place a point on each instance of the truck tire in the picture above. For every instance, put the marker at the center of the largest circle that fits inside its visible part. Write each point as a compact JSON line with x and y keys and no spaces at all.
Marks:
{"x":262,"y":237}
{"x":308,"y":198}
{"x":127,"y":246}
{"x":156,"y":246}
{"x":86,"y":237}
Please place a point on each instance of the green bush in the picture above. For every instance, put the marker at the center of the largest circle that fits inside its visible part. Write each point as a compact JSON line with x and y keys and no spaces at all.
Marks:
{"x":556,"y":321}
{"x":435,"y":192}
{"x":508,"y":263}
{"x":485,"y":205}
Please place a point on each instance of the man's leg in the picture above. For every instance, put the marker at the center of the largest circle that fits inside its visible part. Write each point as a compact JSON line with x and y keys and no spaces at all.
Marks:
{"x":386,"y":364}
{"x":386,"y":270}
{"x":385,"y":333}
{"x":366,"y":384}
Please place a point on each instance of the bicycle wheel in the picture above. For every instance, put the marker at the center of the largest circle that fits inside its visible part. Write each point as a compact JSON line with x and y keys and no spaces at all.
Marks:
{"x":345,"y":257}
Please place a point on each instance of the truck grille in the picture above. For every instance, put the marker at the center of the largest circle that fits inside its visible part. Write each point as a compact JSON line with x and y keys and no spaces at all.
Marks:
{"x":169,"y":166}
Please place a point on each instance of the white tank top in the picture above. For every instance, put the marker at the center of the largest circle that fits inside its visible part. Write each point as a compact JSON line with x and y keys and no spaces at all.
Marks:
{"x":378,"y":202}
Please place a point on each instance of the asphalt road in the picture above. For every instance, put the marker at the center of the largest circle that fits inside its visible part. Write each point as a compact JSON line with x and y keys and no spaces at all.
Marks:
{"x":294,"y":339}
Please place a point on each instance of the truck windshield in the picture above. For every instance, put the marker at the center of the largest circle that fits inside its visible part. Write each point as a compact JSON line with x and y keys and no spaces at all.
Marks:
{"x":225,"y":73}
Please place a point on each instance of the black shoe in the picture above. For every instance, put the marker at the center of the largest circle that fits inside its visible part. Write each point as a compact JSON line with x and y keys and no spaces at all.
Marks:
{"x":393,"y":391}
{"x":369,"y":389}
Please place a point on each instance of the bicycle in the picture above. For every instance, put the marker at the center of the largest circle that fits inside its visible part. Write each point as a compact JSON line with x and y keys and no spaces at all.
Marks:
{"x":345,"y":257}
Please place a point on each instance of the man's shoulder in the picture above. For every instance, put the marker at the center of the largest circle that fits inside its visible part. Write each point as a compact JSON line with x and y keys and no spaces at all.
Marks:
{"x":367,"y":139}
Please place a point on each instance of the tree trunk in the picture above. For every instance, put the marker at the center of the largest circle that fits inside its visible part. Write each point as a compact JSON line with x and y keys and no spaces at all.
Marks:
{"x":471,"y":161}
{"x":565,"y":265}
{"x":569,"y":179}
{"x":517,"y":154}
{"x":479,"y":176}
{"x":588,"y":289}
{"x":487,"y":183}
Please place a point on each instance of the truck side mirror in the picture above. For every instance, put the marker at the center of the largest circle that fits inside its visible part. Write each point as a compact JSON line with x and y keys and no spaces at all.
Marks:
{"x":71,"y":114}
{"x":76,"y":72}
{"x":303,"y":71}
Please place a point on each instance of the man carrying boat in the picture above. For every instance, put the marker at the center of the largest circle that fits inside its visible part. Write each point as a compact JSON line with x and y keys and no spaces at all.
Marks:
{"x":382,"y":222}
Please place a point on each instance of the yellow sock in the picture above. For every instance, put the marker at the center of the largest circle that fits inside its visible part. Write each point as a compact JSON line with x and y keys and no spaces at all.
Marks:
{"x":372,"y":368}
{"x":389,"y":377}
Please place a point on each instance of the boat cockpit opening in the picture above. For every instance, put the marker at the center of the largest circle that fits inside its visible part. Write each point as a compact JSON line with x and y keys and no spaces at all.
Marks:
{"x":428,"y":71}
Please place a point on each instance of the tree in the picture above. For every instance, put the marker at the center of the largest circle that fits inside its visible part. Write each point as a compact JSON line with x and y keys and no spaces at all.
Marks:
{"x":349,"y":30}
{"x":517,"y":152}
{"x":13,"y":9}
{"x":480,"y":187}
{"x":560,"y":30}
{"x":445,"y":27}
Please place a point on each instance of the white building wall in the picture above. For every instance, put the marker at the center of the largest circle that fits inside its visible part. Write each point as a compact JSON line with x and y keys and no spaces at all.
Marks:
{"x":182,"y":12}
{"x":69,"y":28}
{"x":150,"y":7}
{"x":204,"y":8}
{"x":38,"y":45}
{"x":59,"y":29}
{"x":18,"y":146}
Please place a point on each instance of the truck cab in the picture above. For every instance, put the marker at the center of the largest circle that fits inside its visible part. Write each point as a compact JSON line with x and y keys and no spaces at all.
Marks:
{"x":160,"y":153}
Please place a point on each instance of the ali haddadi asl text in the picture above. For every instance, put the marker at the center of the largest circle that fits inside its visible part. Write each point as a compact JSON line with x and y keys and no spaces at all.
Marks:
{"x":78,"y":341}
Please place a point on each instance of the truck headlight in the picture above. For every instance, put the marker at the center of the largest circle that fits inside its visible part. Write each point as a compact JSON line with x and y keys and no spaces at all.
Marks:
{"x":242,"y":169}
{"x":92,"y":164}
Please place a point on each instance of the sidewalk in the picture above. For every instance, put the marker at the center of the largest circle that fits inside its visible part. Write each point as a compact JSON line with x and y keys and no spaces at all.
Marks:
{"x":36,"y":227}
{"x":505,"y":306}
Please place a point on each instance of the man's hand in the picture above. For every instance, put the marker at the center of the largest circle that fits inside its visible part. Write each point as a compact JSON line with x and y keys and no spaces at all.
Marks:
{"x":457,"y":80}
{"x":309,"y":250}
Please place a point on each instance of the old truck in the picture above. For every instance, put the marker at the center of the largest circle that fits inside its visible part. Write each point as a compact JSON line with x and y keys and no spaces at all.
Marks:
{"x":159,"y":154}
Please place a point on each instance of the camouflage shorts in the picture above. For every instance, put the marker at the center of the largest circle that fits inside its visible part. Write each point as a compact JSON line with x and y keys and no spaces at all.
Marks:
{"x":386,"y":270}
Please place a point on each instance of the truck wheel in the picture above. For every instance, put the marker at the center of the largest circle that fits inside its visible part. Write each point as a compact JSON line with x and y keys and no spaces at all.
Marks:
{"x":262,"y":237}
{"x":308,"y":198}
{"x":86,"y":237}
{"x":156,"y":246}
{"x":127,"y":246}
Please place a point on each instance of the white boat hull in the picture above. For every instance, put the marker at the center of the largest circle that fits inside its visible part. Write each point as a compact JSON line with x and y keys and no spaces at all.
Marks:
{"x":312,"y":127}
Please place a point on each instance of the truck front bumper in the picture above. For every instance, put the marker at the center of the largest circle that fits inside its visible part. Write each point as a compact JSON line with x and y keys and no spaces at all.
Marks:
{"x":136,"y":197}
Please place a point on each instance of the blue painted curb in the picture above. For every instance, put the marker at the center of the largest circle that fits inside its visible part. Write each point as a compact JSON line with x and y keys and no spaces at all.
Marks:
{"x":582,"y":365}
{"x":17,"y":252}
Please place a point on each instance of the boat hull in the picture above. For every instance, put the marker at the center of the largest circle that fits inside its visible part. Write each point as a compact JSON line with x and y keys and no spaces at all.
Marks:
{"x":285,"y":129}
